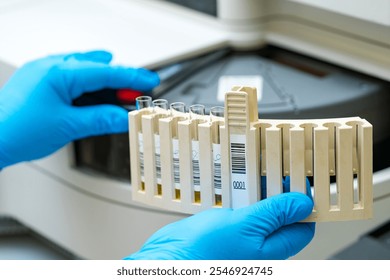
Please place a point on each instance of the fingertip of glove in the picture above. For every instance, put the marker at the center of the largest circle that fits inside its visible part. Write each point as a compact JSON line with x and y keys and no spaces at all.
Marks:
{"x":102,"y":56}
{"x":100,"y":120}
{"x":289,"y":207}
{"x":99,"y":56}
{"x":128,"y":258}
{"x":148,"y":78}
{"x":301,"y":200}
{"x":116,"y":120}
{"x":140,"y":79}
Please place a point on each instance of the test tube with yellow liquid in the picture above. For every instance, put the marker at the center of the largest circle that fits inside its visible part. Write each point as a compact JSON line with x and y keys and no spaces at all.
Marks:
{"x":216,"y":119}
{"x":142,"y":102}
{"x":176,"y":109}
{"x":160,"y":109}
{"x":196,"y":112}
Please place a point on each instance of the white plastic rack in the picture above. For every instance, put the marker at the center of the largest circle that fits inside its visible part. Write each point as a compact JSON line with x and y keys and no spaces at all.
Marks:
{"x":188,"y":163}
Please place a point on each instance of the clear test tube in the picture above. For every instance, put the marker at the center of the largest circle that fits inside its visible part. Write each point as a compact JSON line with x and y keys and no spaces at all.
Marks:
{"x":216,"y":113}
{"x":142,"y":102}
{"x":196,"y":110}
{"x":157,"y":105}
{"x":160,"y":103}
{"x":176,"y":108}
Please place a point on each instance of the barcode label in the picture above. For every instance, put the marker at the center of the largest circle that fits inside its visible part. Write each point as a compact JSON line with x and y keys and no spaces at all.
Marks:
{"x":141,"y":155}
{"x":217,"y":169}
{"x":239,"y":191}
{"x":195,"y":165}
{"x":237,"y":151}
{"x":176,"y":166}
{"x":158,"y":157}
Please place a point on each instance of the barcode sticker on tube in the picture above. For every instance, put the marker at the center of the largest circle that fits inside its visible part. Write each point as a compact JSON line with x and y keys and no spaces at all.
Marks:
{"x":239,"y":188}
{"x":176,"y":166}
{"x":217,"y":168}
{"x":158,"y":157}
{"x":195,"y":165}
{"x":141,"y":155}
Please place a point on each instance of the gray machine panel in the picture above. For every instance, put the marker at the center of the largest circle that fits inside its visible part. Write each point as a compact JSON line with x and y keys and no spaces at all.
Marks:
{"x":294,"y":87}
{"x":372,"y":246}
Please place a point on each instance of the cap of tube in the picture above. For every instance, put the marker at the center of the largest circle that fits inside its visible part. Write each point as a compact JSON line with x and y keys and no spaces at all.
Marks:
{"x":127,"y":96}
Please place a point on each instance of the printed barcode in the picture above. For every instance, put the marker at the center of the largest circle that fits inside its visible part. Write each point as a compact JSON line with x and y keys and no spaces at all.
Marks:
{"x":141,"y":154}
{"x":217,"y":169}
{"x":158,"y":166}
{"x":141,"y":160}
{"x":238,"y":158}
{"x":238,"y":179}
{"x":195,"y":165}
{"x":176,"y":165}
{"x":196,"y":172}
{"x":217,"y":175}
{"x":176,"y":171}
{"x":157,"y":157}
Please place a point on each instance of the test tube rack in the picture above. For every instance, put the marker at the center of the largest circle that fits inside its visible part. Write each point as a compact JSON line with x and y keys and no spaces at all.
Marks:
{"x":188,"y":164}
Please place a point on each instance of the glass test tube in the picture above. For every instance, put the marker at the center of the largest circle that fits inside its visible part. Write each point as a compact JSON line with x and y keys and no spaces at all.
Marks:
{"x":196,"y":110}
{"x":175,"y":108}
{"x":142,"y":102}
{"x":163,"y":104}
{"x":216,"y":113}
{"x":160,"y":103}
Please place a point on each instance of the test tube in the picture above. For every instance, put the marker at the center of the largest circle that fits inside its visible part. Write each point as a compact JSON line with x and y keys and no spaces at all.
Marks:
{"x":162,"y":104}
{"x":216,"y":113}
{"x":175,"y":109}
{"x":196,"y":110}
{"x":142,"y":102}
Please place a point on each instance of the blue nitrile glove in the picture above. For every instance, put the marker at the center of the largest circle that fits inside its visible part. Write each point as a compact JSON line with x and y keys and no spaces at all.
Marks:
{"x":268,"y":229}
{"x":36,"y":112}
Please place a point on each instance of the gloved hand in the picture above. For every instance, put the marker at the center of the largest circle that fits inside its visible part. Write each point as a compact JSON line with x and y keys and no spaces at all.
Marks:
{"x":265,"y":230}
{"x":36,"y":112}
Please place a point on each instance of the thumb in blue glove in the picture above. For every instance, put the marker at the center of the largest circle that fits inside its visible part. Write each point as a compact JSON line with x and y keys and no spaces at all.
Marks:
{"x":36,"y":112}
{"x":268,"y":229}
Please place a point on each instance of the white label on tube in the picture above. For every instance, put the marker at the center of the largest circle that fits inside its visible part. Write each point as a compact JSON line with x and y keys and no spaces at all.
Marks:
{"x":238,"y":168}
{"x":141,"y":155}
{"x":195,"y":166}
{"x":157,"y":157}
{"x":176,"y":166}
{"x":217,"y":169}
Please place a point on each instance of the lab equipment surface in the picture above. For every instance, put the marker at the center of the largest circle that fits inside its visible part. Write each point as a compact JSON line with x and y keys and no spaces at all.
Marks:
{"x":80,"y":197}
{"x":374,"y":246}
